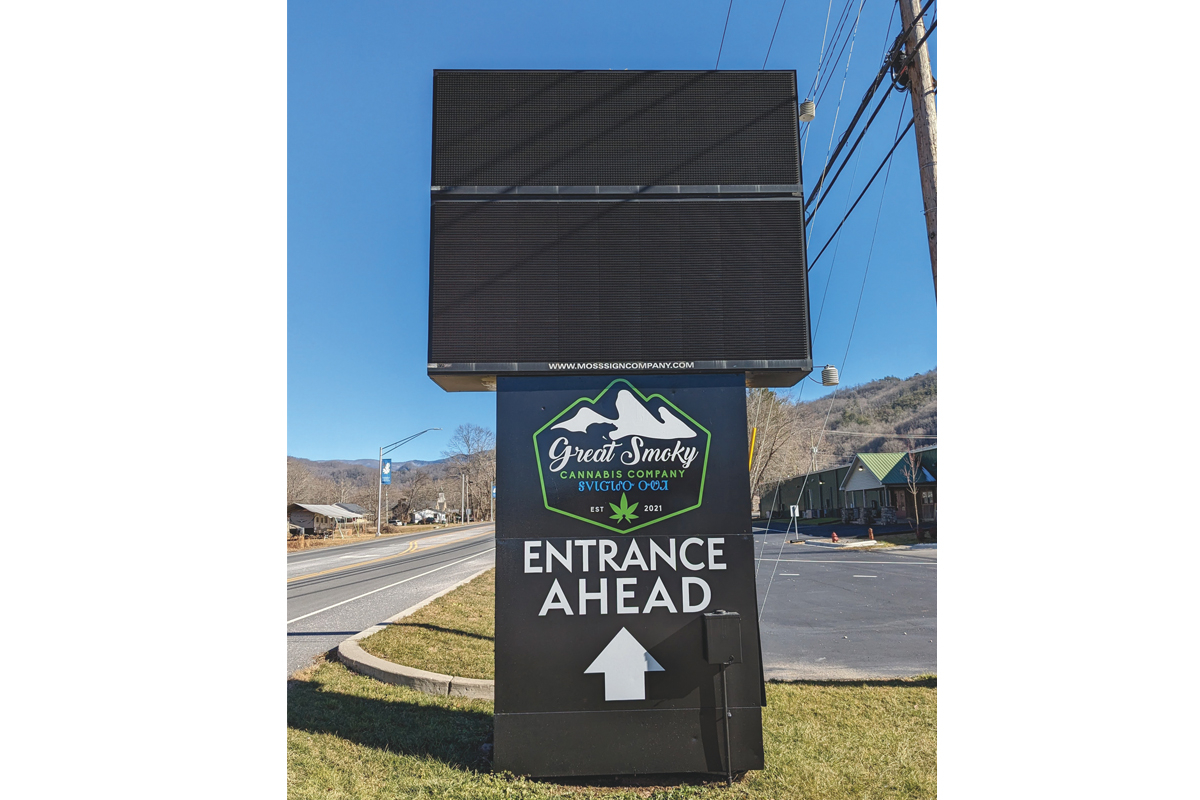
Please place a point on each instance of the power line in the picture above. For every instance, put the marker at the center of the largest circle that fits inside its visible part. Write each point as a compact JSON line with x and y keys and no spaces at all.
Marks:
{"x":882,"y":435}
{"x":879,"y":106}
{"x":866,"y":127}
{"x":850,"y":42}
{"x":886,"y":48}
{"x":866,"y":97}
{"x":841,"y":94}
{"x":845,"y":358}
{"x":837,"y":37}
{"x":772,"y":44}
{"x":884,"y":163}
{"x":824,"y":79}
{"x":866,"y":270}
{"x":871,"y":249}
{"x":836,"y":249}
{"x":783,"y":539}
{"x":821,"y":54}
{"x":722,"y":47}
{"x":821,"y":64}
{"x":853,"y":147}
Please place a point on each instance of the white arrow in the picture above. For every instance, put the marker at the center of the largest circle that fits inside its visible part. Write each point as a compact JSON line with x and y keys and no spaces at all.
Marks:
{"x":624,"y":663}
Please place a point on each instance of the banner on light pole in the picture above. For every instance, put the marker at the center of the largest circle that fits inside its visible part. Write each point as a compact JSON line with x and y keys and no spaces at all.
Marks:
{"x":385,"y":473}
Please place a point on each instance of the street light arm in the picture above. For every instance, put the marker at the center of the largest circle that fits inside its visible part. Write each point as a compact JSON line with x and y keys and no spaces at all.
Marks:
{"x":389,"y":448}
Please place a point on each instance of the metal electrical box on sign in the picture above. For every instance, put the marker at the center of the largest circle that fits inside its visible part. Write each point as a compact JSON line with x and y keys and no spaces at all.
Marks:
{"x":622,"y":519}
{"x":723,"y":637}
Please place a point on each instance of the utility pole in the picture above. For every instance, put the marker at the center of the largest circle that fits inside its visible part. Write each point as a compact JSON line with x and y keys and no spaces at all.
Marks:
{"x":924,"y":105}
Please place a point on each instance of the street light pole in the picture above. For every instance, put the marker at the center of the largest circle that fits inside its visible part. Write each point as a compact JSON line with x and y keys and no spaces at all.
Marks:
{"x":379,"y":493}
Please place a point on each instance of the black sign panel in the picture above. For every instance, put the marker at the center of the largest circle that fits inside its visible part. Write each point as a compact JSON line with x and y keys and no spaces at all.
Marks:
{"x":617,"y":223}
{"x":622,"y":518}
{"x":580,"y":129}
{"x":653,"y":286}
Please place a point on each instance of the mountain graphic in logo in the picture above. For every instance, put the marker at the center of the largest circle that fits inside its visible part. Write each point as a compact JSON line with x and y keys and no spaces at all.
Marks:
{"x":633,"y":419}
{"x":622,"y":460}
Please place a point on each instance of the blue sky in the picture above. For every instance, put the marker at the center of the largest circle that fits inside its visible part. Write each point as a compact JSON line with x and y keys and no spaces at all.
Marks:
{"x":359,"y":119}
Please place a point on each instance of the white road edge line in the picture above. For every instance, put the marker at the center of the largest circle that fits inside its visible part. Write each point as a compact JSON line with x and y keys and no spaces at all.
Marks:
{"x":389,"y":586}
{"x":847,"y":563}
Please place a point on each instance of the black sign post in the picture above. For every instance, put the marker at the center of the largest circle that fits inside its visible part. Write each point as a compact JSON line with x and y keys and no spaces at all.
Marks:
{"x":622,"y":521}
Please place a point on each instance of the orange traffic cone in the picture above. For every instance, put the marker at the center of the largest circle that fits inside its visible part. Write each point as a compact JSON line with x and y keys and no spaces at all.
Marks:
{"x":835,"y":536}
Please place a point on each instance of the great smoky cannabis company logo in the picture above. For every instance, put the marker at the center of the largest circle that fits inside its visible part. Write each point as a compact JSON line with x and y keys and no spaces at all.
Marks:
{"x":622,"y":460}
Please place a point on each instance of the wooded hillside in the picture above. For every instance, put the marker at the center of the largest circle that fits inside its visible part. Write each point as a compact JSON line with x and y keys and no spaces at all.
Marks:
{"x":788,"y":430}
{"x":415,"y":484}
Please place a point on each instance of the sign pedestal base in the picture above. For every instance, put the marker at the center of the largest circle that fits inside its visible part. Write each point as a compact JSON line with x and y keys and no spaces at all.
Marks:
{"x":623,"y":518}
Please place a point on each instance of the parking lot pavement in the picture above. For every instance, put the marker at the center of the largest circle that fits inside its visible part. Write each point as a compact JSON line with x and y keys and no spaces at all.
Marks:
{"x":823,"y":531}
{"x":844,"y":614}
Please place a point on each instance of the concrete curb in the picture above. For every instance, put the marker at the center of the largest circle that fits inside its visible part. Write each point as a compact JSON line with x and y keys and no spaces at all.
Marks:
{"x":819,"y":543}
{"x":353,"y":656}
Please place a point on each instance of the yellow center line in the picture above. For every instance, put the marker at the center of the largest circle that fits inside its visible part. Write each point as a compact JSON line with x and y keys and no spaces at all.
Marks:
{"x":412,"y":547}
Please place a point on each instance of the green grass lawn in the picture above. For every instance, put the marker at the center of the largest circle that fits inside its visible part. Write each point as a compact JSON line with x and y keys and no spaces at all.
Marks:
{"x":453,"y":635}
{"x":907,"y":537}
{"x":350,"y":736}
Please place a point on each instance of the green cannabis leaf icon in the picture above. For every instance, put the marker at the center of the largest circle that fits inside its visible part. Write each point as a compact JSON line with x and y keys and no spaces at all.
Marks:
{"x":625,"y":511}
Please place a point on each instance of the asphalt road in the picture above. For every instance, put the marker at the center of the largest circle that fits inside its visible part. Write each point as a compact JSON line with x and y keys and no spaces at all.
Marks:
{"x":335,"y":592}
{"x":845,"y":614}
{"x":824,"y":614}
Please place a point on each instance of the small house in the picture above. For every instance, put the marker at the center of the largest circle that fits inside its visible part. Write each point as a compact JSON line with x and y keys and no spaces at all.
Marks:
{"x":315,"y":518}
{"x":920,"y":471}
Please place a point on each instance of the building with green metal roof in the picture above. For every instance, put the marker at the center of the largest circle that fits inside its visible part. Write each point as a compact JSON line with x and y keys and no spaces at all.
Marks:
{"x":817,"y":492}
{"x":863,"y":490}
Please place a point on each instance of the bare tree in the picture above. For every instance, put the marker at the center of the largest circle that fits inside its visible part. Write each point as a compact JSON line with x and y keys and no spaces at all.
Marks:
{"x":910,"y":467}
{"x":416,"y":491}
{"x":301,"y":483}
{"x":771,"y":423}
{"x":472,"y":452}
{"x":344,"y":487}
{"x":306,"y":486}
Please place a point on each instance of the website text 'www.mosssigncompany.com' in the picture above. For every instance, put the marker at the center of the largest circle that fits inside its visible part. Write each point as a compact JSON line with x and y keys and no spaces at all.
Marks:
{"x":623,"y":365}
